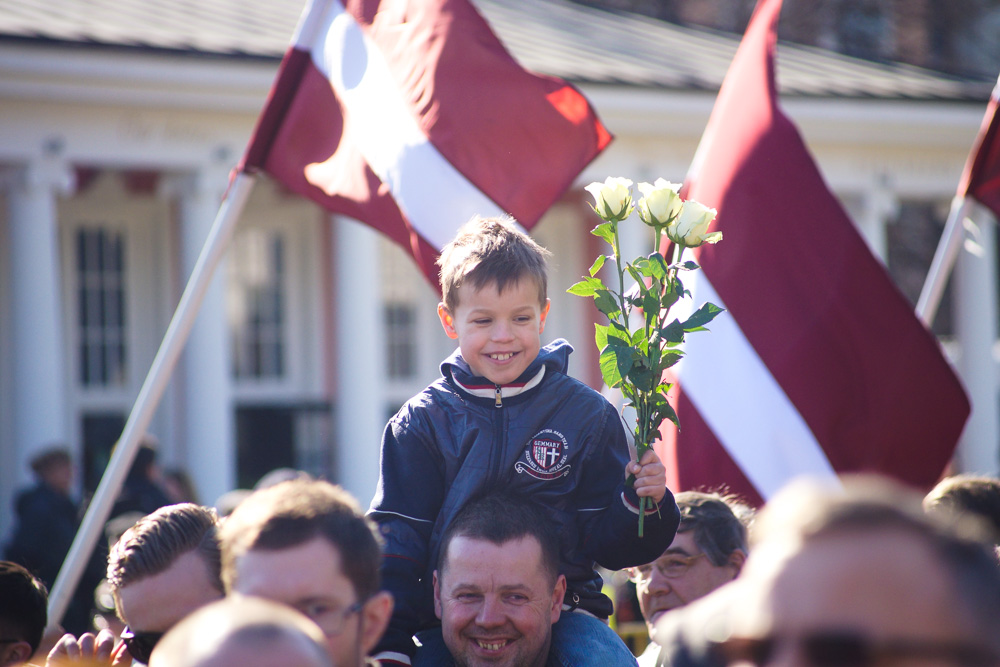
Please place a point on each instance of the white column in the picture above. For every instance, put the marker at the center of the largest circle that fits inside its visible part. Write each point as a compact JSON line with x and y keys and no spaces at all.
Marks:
{"x":976,"y":328}
{"x":360,"y":411}
{"x":878,"y":203}
{"x":40,"y":400}
{"x":206,"y":394}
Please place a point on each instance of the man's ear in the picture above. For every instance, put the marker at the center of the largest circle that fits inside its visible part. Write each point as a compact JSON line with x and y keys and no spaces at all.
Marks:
{"x":558,"y":593}
{"x":16,"y":653}
{"x":375,"y":616}
{"x":447,"y":321}
{"x":545,"y":313}
{"x":437,"y":595}
{"x":735,"y":561}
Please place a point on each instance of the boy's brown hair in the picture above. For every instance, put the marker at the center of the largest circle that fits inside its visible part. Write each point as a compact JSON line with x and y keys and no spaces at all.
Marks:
{"x":491,"y":250}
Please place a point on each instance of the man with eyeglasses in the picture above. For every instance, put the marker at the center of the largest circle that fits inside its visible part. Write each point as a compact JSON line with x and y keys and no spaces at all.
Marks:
{"x":306,"y":544}
{"x":858,"y":576}
{"x":160,"y":570}
{"x":708,"y":551}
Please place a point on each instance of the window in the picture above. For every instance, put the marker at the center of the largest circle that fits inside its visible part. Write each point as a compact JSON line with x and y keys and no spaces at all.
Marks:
{"x":400,"y":339}
{"x":100,"y":301}
{"x":257,"y":309}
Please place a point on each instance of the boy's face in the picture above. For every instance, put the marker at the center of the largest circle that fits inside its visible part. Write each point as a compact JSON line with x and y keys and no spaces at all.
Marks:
{"x":499,"y":334}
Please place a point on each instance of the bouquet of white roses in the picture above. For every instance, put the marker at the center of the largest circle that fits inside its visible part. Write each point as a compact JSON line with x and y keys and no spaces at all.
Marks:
{"x":634,"y":359}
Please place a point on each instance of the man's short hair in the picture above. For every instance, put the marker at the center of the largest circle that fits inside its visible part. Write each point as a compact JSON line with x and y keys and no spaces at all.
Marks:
{"x":973,"y":496}
{"x":807,"y":510}
{"x":23,"y":601}
{"x":249,"y":621}
{"x":295,"y":512}
{"x":716,"y":523}
{"x":500,"y":518}
{"x":157,"y":540}
{"x":491,"y":251}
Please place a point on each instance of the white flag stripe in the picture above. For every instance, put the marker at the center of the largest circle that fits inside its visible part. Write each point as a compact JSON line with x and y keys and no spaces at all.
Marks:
{"x":388,"y":136}
{"x":739,"y":399}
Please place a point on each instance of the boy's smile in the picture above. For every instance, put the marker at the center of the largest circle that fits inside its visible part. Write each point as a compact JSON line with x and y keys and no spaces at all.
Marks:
{"x":499,"y":333}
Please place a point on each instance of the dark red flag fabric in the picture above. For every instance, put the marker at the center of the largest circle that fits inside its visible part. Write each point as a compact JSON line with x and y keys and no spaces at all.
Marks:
{"x":410,"y":116}
{"x":820,"y":366}
{"x":981,"y":176}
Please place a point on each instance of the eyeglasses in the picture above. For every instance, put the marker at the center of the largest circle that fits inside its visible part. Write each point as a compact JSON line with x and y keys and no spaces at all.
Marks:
{"x":330,"y":619}
{"x":849,"y":649}
{"x":671,"y":567}
{"x":140,"y":644}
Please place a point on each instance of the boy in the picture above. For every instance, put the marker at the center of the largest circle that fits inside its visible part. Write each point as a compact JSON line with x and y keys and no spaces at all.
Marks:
{"x":505,"y":416}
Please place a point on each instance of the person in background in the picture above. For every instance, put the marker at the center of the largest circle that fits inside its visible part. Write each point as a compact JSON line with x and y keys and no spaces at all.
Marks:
{"x":857,"y":574}
{"x":46,"y":524}
{"x":23,"y":614}
{"x":972,"y":496}
{"x":305,"y":543}
{"x":244,"y":632}
{"x":708,"y":551}
{"x":161,"y":569}
{"x":143,"y":490}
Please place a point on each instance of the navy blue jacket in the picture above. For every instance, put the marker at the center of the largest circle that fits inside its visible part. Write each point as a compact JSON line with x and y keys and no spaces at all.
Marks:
{"x":548,"y":437}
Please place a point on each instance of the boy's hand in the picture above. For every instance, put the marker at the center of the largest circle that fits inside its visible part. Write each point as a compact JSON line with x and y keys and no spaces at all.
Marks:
{"x":87,"y":650}
{"x":650,"y":476}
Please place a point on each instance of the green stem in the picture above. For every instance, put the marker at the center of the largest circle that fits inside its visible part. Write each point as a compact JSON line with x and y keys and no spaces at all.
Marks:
{"x":621,"y":277}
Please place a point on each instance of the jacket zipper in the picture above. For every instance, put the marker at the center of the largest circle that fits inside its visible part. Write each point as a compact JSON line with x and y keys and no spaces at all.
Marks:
{"x":499,"y":402}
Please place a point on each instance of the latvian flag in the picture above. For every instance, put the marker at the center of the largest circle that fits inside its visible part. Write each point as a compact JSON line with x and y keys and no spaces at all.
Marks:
{"x":820,"y":366}
{"x":410,"y":116}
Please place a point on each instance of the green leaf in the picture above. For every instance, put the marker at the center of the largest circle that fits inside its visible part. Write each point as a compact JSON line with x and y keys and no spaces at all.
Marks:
{"x":586,"y":287}
{"x":635,"y":273}
{"x":607,"y":303}
{"x":673,"y":333}
{"x":616,"y":362}
{"x":598,"y":263}
{"x":669,"y":359}
{"x":686,"y":266}
{"x":605,"y":231}
{"x":601,"y":336}
{"x":657,"y":266}
{"x":663,"y":410}
{"x":701,"y":317}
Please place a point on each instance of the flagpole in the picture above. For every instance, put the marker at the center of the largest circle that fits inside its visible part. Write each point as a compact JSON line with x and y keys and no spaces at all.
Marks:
{"x":149,"y":396}
{"x":943,"y":262}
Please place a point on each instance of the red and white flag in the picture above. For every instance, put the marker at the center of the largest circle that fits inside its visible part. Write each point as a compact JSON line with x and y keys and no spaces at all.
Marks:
{"x":410,"y":116}
{"x":981,"y":176}
{"x":819,"y":366}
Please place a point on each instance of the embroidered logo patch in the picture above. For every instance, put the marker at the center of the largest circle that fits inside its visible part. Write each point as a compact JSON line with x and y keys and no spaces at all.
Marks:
{"x":545,"y":456}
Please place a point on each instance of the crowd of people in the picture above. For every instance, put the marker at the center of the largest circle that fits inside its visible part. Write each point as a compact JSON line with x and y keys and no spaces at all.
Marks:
{"x":507,"y":490}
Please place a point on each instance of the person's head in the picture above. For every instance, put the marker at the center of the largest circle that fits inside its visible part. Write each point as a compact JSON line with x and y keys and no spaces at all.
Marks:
{"x":306,"y":544}
{"x":244,"y":632}
{"x":708,"y":550}
{"x":973,"y":496}
{"x":23,"y":614}
{"x":54,"y":468}
{"x":494,"y":290}
{"x":497,"y":587}
{"x":858,"y":575}
{"x":144,"y":466}
{"x":163,"y":568}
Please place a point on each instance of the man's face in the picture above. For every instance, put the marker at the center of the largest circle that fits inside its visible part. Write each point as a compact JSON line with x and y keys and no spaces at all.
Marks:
{"x":692,"y":575}
{"x":499,"y":333}
{"x":309,"y":578}
{"x":881,"y":586}
{"x":496,"y":603}
{"x":156,"y":603}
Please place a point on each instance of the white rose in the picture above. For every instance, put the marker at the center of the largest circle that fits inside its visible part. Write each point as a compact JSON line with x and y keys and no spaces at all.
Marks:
{"x":612,"y":198}
{"x":660,"y":202}
{"x":691,"y":227}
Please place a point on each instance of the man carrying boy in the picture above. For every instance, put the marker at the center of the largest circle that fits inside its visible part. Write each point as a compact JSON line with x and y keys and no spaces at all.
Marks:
{"x":506,"y":416}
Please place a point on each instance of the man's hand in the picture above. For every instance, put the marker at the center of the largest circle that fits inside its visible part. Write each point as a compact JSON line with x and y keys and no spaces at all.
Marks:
{"x":88,"y":649}
{"x":650,"y":476}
